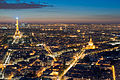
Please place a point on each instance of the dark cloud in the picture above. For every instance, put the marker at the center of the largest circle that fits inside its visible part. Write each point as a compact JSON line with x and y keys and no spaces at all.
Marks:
{"x":5,"y":5}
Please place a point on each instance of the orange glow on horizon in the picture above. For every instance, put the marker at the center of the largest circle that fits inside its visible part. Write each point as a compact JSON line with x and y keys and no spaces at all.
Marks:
{"x":55,"y":20}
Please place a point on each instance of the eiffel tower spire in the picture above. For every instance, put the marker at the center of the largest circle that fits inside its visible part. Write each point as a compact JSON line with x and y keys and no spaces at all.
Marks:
{"x":17,"y":27}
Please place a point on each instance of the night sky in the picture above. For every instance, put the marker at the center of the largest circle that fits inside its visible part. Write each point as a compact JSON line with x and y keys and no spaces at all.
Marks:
{"x":63,"y":11}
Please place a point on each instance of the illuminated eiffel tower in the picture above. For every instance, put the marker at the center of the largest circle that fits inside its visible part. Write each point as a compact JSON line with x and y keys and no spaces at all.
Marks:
{"x":17,"y":34}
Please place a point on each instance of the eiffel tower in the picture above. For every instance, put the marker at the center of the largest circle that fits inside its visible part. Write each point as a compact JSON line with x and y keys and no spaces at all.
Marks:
{"x":17,"y":34}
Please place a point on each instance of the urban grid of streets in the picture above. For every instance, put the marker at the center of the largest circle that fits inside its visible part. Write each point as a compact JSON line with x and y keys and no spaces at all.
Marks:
{"x":53,"y":51}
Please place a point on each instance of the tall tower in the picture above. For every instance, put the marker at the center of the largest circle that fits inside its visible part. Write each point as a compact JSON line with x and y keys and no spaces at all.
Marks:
{"x":17,"y":28}
{"x":17,"y":34}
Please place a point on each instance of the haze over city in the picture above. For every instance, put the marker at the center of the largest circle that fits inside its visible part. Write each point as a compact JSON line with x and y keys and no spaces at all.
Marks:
{"x":64,"y":11}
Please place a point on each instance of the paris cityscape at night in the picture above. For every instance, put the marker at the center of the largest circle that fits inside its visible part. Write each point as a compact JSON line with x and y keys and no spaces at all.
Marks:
{"x":59,"y":40}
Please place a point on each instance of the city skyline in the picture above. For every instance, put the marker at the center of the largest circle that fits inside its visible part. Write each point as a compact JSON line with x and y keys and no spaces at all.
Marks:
{"x":59,"y":40}
{"x":59,"y":11}
{"x":59,"y":51}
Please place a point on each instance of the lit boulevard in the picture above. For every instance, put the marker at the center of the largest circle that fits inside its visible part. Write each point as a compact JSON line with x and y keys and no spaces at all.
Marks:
{"x":80,"y":56}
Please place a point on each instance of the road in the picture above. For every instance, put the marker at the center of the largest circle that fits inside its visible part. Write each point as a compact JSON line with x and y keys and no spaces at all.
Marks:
{"x":81,"y":55}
